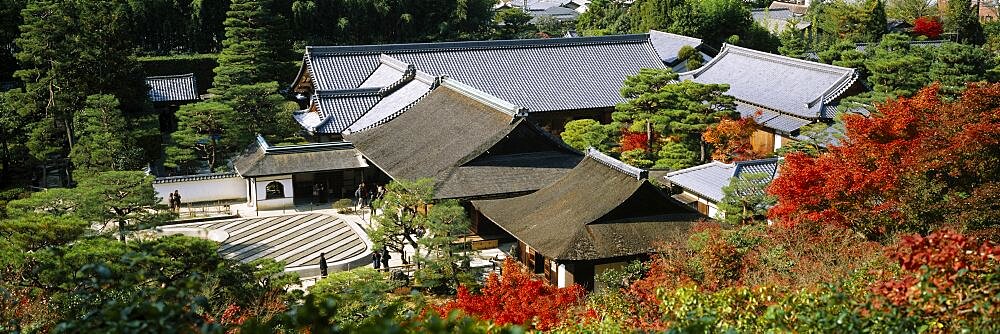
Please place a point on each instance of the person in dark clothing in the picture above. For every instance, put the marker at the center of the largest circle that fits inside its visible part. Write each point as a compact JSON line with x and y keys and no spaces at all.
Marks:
{"x":322,"y":264}
{"x":173,"y":202}
{"x":376,"y":259}
{"x":385,"y":258}
{"x":177,"y":199}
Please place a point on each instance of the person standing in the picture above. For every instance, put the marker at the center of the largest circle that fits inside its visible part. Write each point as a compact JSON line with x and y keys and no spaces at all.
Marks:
{"x":359,"y":194}
{"x":173,"y":202}
{"x":385,"y":258}
{"x":322,"y":264}
{"x":376,"y":260}
{"x":177,"y":198}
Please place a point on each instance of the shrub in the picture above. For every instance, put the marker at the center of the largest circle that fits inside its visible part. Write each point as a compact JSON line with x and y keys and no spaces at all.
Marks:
{"x":344,"y":206}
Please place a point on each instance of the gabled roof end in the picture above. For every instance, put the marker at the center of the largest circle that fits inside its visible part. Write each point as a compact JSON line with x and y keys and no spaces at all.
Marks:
{"x":637,"y":173}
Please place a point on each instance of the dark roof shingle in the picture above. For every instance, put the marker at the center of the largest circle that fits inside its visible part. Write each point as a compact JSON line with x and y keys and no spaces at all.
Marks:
{"x":261,"y":159}
{"x":600,"y":209}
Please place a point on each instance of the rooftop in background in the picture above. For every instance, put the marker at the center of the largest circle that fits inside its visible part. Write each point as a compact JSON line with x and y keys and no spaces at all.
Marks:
{"x":262,"y":159}
{"x":778,"y":20}
{"x":173,"y":88}
{"x":603,"y":208}
{"x":707,"y":180}
{"x":471,"y":143}
{"x":797,"y":8}
{"x":540,"y":74}
{"x":787,"y":92}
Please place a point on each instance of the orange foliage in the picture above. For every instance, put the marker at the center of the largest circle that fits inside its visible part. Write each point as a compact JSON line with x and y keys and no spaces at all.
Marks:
{"x":731,"y":139}
{"x":634,"y":140}
{"x":873,"y":180}
{"x":517,"y":297}
{"x":957,"y":270}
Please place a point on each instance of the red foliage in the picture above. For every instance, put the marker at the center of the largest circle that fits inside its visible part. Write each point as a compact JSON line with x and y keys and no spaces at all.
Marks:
{"x":517,"y":297}
{"x":731,"y":139}
{"x":944,"y":275}
{"x":860,"y":183}
{"x":927,"y":26}
{"x":634,"y":140}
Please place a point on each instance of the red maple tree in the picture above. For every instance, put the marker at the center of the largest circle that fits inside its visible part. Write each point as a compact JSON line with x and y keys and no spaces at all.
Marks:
{"x":927,"y":26}
{"x":632,"y":140}
{"x":731,"y":139}
{"x":917,"y":158}
{"x":517,"y":297}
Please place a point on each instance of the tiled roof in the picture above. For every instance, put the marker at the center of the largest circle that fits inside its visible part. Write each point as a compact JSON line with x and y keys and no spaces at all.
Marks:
{"x":199,"y":177}
{"x":708,"y":180}
{"x":392,"y":88}
{"x":773,"y":120}
{"x":172,"y":88}
{"x":786,"y":85}
{"x":667,"y":45}
{"x":539,"y":74}
{"x":598,"y":210}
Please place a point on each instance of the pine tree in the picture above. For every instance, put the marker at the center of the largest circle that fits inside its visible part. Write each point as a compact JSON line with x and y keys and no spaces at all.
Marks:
{"x":201,"y":135}
{"x":676,"y":156}
{"x":792,"y":44}
{"x":963,"y":21}
{"x":104,"y":137}
{"x":250,"y":52}
{"x":745,"y":200}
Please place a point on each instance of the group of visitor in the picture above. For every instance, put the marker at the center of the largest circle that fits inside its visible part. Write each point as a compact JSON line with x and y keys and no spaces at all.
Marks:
{"x":365,"y":195}
{"x":380,"y":259}
{"x":175,"y":201}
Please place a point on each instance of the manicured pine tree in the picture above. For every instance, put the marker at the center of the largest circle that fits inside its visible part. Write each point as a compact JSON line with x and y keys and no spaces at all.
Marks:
{"x":792,"y":44}
{"x":202,"y":135}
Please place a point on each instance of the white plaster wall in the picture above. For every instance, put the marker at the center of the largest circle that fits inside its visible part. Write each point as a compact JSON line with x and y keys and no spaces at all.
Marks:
{"x":777,"y":142}
{"x":561,"y":276}
{"x":260,"y":193}
{"x":203,"y":190}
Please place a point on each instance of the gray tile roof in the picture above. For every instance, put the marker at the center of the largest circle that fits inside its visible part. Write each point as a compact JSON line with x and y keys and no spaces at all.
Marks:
{"x":470,"y":143}
{"x":261,"y":159}
{"x":392,"y":88}
{"x":707,"y":180}
{"x":199,"y":177}
{"x":601,"y":209}
{"x":786,"y":85}
{"x":539,"y":74}
{"x":667,"y":45}
{"x":172,"y":88}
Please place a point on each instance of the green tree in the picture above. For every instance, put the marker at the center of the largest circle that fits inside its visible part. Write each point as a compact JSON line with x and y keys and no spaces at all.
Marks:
{"x":745,"y":199}
{"x":257,"y":109}
{"x":407,"y":217}
{"x":909,"y":10}
{"x":69,"y":50}
{"x":361,"y":295}
{"x":251,"y":52}
{"x":896,"y":68}
{"x":676,"y":156}
{"x":202,"y":135}
{"x":104,"y":138}
{"x":513,"y":23}
{"x":584,"y":133}
{"x":962,"y":19}
{"x":861,"y":21}
{"x":125,"y":198}
{"x":603,"y":17}
{"x":680,"y":111}
{"x":691,"y":57}
{"x":792,"y":44}
{"x":954,"y":65}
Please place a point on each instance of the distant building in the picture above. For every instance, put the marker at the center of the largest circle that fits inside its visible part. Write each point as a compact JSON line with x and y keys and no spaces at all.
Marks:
{"x":168,"y":93}
{"x":779,"y":19}
{"x":986,"y":9}
{"x":701,"y":186}
{"x":600,"y":215}
{"x":782,"y":94}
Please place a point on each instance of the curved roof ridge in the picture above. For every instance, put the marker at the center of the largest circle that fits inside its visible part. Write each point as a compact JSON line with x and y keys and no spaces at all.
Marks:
{"x":171,"y":76}
{"x":679,"y":36}
{"x":494,"y":44}
{"x":366,"y":91}
{"x":740,"y":165}
{"x":636,"y":172}
{"x":488,"y":99}
{"x":698,"y":167}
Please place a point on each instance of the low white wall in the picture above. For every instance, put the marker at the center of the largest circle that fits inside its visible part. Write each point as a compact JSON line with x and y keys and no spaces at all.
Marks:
{"x":197,"y":189}
{"x":276,"y":203}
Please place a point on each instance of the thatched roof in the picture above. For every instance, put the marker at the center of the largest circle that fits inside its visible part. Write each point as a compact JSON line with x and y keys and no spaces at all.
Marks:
{"x":601,"y":209}
{"x":472,"y":144}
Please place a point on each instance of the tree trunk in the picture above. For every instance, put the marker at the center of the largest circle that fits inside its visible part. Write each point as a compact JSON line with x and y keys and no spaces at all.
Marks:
{"x":121,"y":230}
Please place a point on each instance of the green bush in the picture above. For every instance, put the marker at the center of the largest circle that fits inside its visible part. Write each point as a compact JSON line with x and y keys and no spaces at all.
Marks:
{"x":344,"y":205}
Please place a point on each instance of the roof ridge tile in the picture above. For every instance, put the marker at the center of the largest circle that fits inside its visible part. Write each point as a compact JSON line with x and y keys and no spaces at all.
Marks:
{"x":490,"y":44}
{"x":616,"y":164}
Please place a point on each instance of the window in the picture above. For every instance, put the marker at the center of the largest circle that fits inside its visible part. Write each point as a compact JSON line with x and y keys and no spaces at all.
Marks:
{"x":274,"y":190}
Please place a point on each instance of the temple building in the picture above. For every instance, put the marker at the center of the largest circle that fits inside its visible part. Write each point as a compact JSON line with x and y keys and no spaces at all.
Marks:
{"x":168,"y":93}
{"x":701,"y":186}
{"x":556,"y":80}
{"x":474,"y":145}
{"x":600,"y":215}
{"x":782,"y":94}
